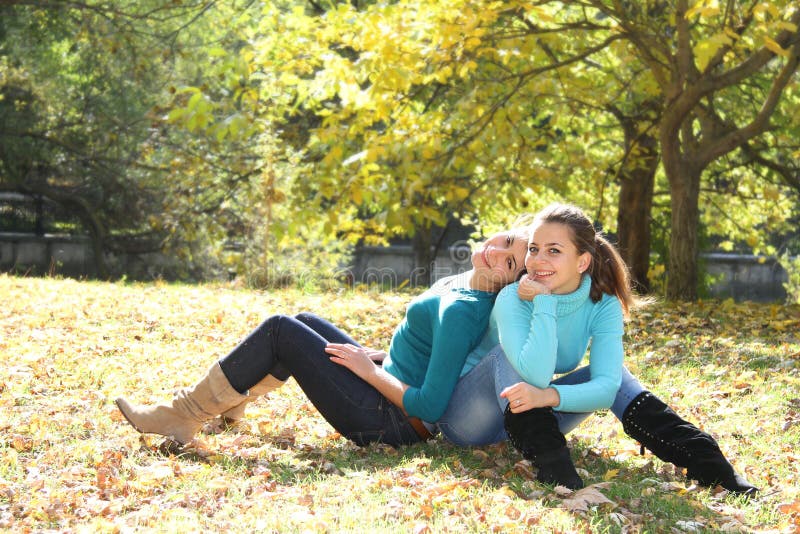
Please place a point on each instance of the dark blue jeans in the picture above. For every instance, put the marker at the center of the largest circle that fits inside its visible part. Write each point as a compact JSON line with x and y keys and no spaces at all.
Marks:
{"x":284,"y":345}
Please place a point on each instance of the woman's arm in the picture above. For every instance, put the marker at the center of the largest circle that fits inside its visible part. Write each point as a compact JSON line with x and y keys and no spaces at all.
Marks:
{"x":461,"y":327}
{"x":527,"y":331}
{"x":605,"y":362}
{"x":361,"y":361}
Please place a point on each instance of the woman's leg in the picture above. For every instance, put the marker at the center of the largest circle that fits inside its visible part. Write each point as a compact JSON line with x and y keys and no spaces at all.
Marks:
{"x":536,"y":435}
{"x":255,"y":357}
{"x":278,"y":374}
{"x":224,"y":389}
{"x":258,"y":355}
{"x":649,"y":420}
{"x":289,"y":346}
{"x":325,"y":329}
{"x":353,"y":407}
{"x":182,"y":417}
{"x":473,"y":416}
{"x":629,"y":388}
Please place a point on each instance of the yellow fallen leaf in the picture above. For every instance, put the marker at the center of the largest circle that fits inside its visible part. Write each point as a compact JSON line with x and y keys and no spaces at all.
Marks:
{"x":611,"y":473}
{"x":426,"y":510}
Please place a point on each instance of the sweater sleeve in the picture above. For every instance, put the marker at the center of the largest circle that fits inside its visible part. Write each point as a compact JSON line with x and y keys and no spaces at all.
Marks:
{"x":605,"y":362}
{"x":528,"y":334}
{"x":454,"y":338}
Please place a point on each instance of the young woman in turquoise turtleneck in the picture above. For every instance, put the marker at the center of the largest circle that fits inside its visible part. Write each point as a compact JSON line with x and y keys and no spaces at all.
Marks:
{"x":549,"y":335}
{"x":576,"y":295}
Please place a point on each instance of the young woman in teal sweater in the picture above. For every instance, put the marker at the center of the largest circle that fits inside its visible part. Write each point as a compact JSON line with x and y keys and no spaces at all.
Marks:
{"x":394,"y":403}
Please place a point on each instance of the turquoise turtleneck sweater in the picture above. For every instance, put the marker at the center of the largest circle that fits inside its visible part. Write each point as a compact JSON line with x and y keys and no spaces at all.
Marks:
{"x":550,"y":335}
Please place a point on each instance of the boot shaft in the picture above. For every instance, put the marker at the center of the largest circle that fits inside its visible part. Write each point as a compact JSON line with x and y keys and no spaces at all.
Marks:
{"x":536,"y":435}
{"x":672,"y":439}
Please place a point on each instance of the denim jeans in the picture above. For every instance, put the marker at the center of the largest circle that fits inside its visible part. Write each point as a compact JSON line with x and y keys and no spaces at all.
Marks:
{"x":474,"y":415}
{"x":284,"y":345}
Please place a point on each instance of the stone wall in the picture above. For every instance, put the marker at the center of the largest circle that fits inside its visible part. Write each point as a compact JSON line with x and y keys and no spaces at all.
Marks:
{"x":394,"y":265}
{"x":737,"y":276}
{"x":740,"y":277}
{"x":47,"y":254}
{"x":743,"y":277}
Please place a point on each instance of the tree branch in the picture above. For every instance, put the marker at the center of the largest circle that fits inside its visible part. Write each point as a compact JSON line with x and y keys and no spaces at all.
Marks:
{"x":760,"y":122}
{"x":791,"y":177}
{"x":752,"y":64}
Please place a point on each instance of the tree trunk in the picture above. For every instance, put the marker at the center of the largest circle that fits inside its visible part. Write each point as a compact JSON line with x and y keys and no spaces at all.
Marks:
{"x":682,"y":268}
{"x":424,"y":256}
{"x":635,"y":206}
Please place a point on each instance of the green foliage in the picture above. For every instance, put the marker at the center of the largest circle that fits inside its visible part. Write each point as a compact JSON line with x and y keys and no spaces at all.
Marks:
{"x":791,"y":264}
{"x":186,"y":127}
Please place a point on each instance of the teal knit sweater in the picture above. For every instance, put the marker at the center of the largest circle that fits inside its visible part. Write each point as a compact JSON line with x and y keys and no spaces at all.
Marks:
{"x":430,"y":346}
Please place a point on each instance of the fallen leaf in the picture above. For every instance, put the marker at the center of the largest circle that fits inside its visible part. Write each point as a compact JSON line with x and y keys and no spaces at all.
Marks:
{"x":690,"y":526}
{"x":789,"y":508}
{"x":582,"y":499}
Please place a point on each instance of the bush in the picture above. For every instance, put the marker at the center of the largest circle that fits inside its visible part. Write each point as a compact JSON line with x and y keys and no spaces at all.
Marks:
{"x":792,"y":285}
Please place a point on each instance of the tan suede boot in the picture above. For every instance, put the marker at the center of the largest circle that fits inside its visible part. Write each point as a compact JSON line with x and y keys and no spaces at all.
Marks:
{"x":267,"y":384}
{"x":189,"y":409}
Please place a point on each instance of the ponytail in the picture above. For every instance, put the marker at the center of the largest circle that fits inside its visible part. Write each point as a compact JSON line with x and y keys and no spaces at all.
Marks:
{"x":608,"y":270}
{"x":610,"y":274}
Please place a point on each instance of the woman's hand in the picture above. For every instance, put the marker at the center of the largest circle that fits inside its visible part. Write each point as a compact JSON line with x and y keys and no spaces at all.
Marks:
{"x":360,"y":360}
{"x":523,"y":397}
{"x":375,"y":355}
{"x":529,"y":288}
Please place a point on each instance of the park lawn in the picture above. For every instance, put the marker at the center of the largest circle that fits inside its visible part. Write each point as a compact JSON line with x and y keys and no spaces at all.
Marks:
{"x":68,"y":462}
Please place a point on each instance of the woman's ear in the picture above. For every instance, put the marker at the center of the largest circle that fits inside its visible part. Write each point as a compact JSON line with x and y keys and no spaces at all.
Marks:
{"x":584,"y":261}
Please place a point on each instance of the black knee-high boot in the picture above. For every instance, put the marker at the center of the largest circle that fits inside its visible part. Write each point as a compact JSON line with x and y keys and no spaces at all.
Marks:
{"x":536,"y":436}
{"x":652,"y":423}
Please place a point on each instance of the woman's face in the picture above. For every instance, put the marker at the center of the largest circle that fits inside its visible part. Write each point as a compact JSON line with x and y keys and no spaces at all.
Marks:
{"x":553,"y":259}
{"x":500,"y":259}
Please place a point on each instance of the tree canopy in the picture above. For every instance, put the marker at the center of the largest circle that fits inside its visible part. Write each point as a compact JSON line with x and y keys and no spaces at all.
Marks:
{"x":201,"y":123}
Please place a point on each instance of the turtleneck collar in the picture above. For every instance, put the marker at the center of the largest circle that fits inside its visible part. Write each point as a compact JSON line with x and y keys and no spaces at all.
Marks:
{"x":569,"y":303}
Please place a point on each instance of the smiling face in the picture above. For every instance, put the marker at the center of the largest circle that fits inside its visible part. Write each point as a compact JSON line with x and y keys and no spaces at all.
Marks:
{"x":499,"y":260}
{"x":554,"y":260}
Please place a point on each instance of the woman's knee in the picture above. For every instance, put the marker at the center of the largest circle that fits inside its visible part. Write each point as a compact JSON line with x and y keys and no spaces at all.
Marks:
{"x":628,"y":390}
{"x":273,"y":322}
{"x":306,"y":317}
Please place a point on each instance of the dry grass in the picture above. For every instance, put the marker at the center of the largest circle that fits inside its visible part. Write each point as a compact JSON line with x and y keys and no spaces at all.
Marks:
{"x":69,"y":463}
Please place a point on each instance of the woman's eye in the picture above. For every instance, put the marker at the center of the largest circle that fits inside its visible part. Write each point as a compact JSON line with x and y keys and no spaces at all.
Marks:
{"x":554,"y":251}
{"x":508,"y":240}
{"x":509,"y":264}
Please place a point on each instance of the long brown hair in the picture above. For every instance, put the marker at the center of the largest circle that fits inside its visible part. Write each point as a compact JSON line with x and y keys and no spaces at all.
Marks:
{"x":608,"y":270}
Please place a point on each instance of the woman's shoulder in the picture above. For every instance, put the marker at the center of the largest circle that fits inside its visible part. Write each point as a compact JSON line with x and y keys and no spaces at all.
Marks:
{"x":608,"y":301}
{"x":509,"y":292}
{"x":466,"y":306}
{"x":608,"y":307}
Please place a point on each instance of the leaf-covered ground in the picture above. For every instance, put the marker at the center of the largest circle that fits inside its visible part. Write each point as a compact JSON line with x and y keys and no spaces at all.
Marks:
{"x":69,"y":463}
